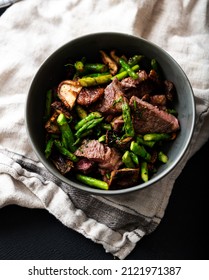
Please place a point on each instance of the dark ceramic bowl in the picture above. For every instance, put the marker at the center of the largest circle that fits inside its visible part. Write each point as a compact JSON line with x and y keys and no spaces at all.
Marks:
{"x":48,"y":75}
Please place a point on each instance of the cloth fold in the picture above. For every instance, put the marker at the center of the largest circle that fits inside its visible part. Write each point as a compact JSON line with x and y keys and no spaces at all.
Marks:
{"x":6,"y":3}
{"x":26,"y":39}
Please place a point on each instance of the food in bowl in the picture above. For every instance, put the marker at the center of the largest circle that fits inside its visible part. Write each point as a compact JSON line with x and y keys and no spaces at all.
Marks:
{"x":54,"y":71}
{"x":108,"y":122}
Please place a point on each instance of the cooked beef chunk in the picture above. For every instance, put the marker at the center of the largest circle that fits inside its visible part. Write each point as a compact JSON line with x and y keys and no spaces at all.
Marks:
{"x":85,"y":165}
{"x":89,"y":95}
{"x":138,"y":87}
{"x":128,"y":82}
{"x":106,"y":157}
{"x":145,"y":84}
{"x":91,"y":149}
{"x":64,"y":165}
{"x":112,"y":159}
{"x":111,"y":102}
{"x":149,"y":119}
{"x":158,"y":100}
{"x":123,"y":178}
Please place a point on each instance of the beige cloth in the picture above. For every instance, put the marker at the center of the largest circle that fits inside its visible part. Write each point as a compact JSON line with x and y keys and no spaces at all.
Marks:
{"x":30,"y":30}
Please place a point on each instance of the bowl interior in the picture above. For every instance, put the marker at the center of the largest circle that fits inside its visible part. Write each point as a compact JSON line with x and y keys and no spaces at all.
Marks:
{"x":50,"y":74}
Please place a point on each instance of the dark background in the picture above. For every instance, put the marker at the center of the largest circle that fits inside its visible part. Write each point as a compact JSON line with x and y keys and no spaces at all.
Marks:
{"x":183,"y":233}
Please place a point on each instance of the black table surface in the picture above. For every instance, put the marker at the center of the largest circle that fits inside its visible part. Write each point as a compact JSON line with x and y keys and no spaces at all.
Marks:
{"x":182,"y":235}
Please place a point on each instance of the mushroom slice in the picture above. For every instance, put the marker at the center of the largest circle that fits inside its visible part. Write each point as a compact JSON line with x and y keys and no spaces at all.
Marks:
{"x":110,"y":62}
{"x":51,"y":125}
{"x":124,"y":178}
{"x":68,"y":91}
{"x":64,"y":165}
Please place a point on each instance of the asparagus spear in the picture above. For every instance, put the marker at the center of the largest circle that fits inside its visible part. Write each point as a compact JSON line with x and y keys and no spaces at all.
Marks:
{"x":67,"y":134}
{"x":140,"y":151}
{"x":125,"y":65}
{"x":132,"y":62}
{"x":79,"y":66}
{"x":48,"y":148}
{"x":144,"y":171}
{"x":134,"y":158}
{"x":89,"y":117}
{"x":93,"y":81}
{"x":87,"y":126}
{"x":123,"y":74}
{"x":135,"y":60}
{"x":127,"y":160}
{"x":140,"y":140}
{"x":162,"y":157}
{"x":93,"y":182}
{"x":96,"y":67}
{"x":128,"y":125}
{"x":64,"y":151}
{"x":92,"y":75}
{"x":80,"y":111}
{"x":156,"y":136}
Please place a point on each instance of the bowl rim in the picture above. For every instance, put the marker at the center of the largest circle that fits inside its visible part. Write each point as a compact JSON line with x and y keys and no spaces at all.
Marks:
{"x":140,"y":186}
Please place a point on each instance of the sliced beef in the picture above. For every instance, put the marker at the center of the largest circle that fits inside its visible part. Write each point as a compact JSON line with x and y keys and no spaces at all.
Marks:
{"x":107,"y":158}
{"x":85,"y":165}
{"x":138,"y":87}
{"x":145,"y":84}
{"x":128,"y":82}
{"x":150,"y":119}
{"x":158,"y":100}
{"x":89,"y":95}
{"x":111,"y":102}
{"x":112,"y":159}
{"x":91,"y":149}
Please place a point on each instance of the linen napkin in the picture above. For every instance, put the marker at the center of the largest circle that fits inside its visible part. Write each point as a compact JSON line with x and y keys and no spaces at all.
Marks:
{"x":5,"y":3}
{"x":29,"y":32}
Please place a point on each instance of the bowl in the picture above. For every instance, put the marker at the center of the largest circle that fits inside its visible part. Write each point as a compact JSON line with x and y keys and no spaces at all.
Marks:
{"x":50,"y":74}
